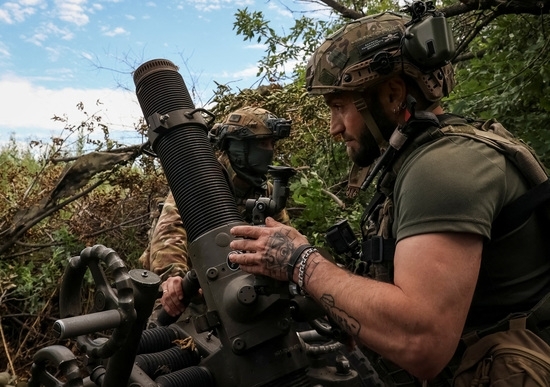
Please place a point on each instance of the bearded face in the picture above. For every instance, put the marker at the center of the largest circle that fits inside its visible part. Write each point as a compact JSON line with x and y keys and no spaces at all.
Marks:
{"x":369,"y":150}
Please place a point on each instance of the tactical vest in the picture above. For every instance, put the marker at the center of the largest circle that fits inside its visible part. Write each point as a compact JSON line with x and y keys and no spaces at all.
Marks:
{"x":378,"y":241}
{"x":378,"y":246}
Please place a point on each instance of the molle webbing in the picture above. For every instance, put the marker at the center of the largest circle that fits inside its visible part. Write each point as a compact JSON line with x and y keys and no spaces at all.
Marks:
{"x":496,"y":136}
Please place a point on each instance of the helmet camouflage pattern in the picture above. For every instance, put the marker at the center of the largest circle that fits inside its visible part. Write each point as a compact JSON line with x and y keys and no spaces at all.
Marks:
{"x":249,"y":123}
{"x":367,"y":51}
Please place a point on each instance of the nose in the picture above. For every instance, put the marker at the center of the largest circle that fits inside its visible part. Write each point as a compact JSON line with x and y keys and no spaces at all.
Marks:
{"x":336,"y":125}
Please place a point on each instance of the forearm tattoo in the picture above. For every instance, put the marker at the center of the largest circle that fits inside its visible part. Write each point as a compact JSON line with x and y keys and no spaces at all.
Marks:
{"x":344,"y":320}
{"x":341,"y":317}
{"x":279,"y":250}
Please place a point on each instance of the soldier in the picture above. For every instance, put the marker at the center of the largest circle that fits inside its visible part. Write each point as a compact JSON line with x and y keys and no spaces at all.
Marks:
{"x":246,"y":139}
{"x":438,"y":267}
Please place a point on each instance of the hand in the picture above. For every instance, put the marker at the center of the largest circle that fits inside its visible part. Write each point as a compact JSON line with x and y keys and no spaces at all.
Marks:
{"x":172,"y":296}
{"x":267,"y":249}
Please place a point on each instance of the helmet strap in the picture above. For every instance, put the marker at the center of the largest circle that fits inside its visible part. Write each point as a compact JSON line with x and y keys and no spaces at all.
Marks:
{"x":362,"y":108}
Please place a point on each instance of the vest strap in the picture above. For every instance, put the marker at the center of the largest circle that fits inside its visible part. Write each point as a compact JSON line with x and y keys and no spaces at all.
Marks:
{"x":378,"y":249}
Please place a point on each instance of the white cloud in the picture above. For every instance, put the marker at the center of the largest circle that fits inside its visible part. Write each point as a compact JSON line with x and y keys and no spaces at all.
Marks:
{"x":37,"y":39}
{"x":114,"y":32}
{"x":5,"y":17}
{"x":16,"y":12}
{"x":72,"y":11}
{"x":54,"y":53}
{"x":213,"y":5}
{"x":4,"y":51}
{"x":32,"y":3}
{"x":44,"y":31}
{"x":32,"y":107}
{"x":87,"y":56}
{"x":256,"y":46}
{"x":249,"y":72}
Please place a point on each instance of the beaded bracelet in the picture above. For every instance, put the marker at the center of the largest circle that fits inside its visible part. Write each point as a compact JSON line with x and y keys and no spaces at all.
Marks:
{"x":302,"y":269}
{"x":294,"y":259}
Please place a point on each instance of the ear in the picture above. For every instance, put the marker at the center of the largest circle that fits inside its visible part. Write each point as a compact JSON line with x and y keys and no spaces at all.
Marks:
{"x":393,"y":92}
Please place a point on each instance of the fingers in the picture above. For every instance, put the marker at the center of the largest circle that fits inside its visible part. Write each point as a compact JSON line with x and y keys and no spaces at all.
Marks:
{"x":265,"y":250}
{"x":243,"y":244}
{"x":243,"y":259}
{"x":251,"y":263}
{"x":270,"y":222}
{"x":172,"y":294}
{"x":246,"y":232}
{"x":255,"y":232}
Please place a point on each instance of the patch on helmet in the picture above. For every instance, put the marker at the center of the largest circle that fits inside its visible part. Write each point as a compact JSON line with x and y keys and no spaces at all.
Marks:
{"x":326,"y":78}
{"x":337,"y":59}
{"x":234,"y":118}
{"x":368,"y":47}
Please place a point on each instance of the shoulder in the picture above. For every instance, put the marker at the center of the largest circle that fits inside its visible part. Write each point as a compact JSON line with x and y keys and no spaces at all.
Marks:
{"x":451,"y":163}
{"x":453,"y":184}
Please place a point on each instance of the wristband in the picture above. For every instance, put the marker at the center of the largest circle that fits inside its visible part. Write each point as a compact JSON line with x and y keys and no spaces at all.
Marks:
{"x":294,"y":259}
{"x":302,"y":269}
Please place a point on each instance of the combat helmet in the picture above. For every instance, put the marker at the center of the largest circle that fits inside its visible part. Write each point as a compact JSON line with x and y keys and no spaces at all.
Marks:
{"x":249,"y":123}
{"x":371,"y":49}
{"x":250,"y":161}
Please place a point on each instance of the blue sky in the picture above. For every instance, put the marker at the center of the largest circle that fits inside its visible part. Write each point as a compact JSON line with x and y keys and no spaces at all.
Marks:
{"x":56,"y":53}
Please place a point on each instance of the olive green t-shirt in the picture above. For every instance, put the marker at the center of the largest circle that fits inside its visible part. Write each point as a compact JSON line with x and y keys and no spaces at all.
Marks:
{"x":457,"y":184}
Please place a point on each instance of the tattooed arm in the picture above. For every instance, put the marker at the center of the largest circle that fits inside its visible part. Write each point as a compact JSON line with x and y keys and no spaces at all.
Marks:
{"x":415,"y":322}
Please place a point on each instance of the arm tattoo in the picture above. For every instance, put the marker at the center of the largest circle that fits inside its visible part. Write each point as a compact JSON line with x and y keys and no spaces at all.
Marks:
{"x":344,"y":320}
{"x":311,"y":265}
{"x":279,"y":250}
{"x":340,"y":316}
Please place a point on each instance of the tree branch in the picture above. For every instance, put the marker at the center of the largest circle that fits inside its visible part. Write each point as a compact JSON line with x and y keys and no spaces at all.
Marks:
{"x":503,"y":7}
{"x":484,"y":22}
{"x":343,"y":10}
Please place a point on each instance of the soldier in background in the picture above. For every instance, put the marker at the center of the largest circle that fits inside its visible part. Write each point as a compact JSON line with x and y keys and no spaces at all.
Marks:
{"x":246,"y":140}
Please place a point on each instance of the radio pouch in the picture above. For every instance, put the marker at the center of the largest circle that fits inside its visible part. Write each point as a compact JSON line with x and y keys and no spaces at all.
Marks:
{"x":510,"y":358}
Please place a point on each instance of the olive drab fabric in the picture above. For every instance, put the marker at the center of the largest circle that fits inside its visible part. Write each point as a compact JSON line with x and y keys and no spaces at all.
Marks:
{"x":379,"y":223}
{"x":367,"y":51}
{"x":166,"y":254}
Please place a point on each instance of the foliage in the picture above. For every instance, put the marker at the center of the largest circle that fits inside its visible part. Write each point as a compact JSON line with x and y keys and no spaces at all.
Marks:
{"x":286,"y":53}
{"x":511,"y":81}
{"x":281,"y":49}
{"x":116,"y":214}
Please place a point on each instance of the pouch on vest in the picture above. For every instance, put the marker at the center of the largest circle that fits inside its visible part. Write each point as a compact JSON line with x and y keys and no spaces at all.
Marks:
{"x":511,"y":358}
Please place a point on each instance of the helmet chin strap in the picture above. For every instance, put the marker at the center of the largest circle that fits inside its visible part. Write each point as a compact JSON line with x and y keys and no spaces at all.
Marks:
{"x":389,"y":148}
{"x":372,"y":126}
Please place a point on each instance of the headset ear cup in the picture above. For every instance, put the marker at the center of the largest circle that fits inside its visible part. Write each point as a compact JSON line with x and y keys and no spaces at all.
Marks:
{"x":222,"y":138}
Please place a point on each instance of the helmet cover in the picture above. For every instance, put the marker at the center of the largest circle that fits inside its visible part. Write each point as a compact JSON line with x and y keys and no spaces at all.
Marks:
{"x":365,"y":52}
{"x":249,"y":123}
